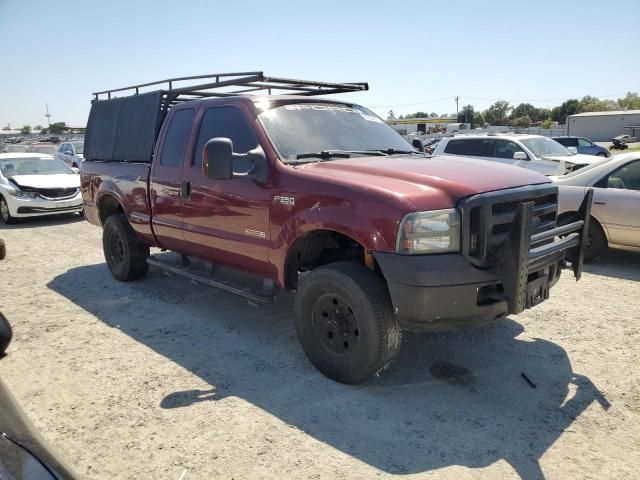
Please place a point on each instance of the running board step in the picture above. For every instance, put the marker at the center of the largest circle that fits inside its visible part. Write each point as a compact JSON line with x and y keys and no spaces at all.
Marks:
{"x":206,"y":273}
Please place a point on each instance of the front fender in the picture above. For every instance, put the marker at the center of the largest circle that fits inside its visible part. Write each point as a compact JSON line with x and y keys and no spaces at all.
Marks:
{"x":372,"y":226}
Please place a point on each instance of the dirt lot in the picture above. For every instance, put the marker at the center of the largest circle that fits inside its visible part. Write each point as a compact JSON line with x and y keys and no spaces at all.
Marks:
{"x":164,"y":379}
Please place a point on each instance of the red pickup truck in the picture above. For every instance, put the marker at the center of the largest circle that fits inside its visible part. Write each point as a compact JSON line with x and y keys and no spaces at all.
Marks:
{"x":322,"y":197}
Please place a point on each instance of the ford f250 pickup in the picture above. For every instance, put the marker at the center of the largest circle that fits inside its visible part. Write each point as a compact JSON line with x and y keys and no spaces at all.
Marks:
{"x":260,"y":175}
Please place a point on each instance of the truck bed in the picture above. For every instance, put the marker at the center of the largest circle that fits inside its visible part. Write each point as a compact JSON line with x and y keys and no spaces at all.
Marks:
{"x":126,"y":181}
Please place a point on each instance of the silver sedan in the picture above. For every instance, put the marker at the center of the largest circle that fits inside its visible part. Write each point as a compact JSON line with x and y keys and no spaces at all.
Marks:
{"x":615,"y":212}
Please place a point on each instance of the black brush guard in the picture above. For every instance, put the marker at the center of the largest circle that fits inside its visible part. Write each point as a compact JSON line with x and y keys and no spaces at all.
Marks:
{"x":522,"y":253}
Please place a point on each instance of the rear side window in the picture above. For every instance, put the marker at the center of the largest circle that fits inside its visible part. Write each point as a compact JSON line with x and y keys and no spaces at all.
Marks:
{"x":177,"y":137}
{"x":568,"y":142}
{"x":472,"y":146}
{"x":227,"y":122}
{"x":584,"y":143}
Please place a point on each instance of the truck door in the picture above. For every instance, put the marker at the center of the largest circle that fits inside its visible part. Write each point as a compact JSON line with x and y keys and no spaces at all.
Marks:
{"x":226,"y":221}
{"x":616,"y":201}
{"x":166,"y":174}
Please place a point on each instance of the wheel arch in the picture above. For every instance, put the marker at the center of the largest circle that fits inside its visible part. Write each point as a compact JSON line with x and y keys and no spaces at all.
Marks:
{"x":321,"y":246}
{"x":593,"y":218}
{"x":108,"y":204}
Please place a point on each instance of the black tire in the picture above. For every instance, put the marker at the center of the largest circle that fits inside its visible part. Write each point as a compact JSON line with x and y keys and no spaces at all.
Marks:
{"x":602,"y":154}
{"x":3,"y":249}
{"x":5,"y":334}
{"x":597,"y":241}
{"x":345,"y":322}
{"x":125,"y":253}
{"x":5,"y":215}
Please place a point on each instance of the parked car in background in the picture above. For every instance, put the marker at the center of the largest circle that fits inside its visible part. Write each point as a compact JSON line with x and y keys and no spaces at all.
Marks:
{"x":615,"y":212}
{"x":533,"y":152}
{"x":626,"y":138}
{"x":583,"y":145}
{"x":46,"y":148}
{"x":15,"y":148}
{"x":71,"y":153}
{"x":33,"y":185}
{"x":430,"y":145}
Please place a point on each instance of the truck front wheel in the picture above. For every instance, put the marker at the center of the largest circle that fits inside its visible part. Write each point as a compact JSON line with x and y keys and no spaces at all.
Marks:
{"x":345,"y":322}
{"x":125,"y":253}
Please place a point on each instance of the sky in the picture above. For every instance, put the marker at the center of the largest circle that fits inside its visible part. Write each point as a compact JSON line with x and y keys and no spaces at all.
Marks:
{"x":416,"y":56}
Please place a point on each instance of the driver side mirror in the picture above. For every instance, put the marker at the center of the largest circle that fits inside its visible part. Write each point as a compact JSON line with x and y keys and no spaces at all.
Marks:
{"x":417,"y":144}
{"x":218,"y":159}
{"x":520,"y":156}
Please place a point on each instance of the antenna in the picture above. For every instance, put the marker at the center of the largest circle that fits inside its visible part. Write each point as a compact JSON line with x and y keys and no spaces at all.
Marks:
{"x":48,"y":115}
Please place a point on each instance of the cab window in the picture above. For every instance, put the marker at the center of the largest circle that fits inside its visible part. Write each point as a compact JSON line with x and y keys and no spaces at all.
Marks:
{"x":506,"y":149}
{"x":227,"y":122}
{"x":584,"y":143}
{"x":177,"y":137}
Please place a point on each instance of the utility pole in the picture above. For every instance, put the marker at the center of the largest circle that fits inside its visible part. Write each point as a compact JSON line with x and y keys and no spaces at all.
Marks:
{"x":48,"y":115}
{"x":457,"y":98}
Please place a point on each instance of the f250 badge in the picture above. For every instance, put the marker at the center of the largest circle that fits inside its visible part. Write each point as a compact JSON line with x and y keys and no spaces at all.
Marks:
{"x":288,"y":201}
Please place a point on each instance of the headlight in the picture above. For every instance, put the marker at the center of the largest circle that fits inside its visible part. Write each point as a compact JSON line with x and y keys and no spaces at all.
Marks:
{"x":436,"y":231}
{"x":23,"y":195}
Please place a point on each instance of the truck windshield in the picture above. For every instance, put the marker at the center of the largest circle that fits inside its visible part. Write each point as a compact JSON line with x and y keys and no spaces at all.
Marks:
{"x":299,"y":129}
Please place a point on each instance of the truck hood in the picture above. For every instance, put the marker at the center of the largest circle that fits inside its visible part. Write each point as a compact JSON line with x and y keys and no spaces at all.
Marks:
{"x":422,"y":183}
{"x":62,"y":180}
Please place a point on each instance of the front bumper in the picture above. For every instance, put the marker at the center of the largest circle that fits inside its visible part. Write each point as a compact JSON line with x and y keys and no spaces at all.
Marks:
{"x":445,"y":291}
{"x":33,"y":207}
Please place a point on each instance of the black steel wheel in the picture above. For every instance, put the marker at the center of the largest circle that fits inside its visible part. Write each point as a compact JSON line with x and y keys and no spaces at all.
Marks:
{"x":125,"y":254}
{"x":345,"y":322}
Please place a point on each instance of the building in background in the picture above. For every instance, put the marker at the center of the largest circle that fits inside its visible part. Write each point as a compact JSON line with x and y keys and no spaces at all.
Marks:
{"x":603,"y":126}
{"x":428,"y":125}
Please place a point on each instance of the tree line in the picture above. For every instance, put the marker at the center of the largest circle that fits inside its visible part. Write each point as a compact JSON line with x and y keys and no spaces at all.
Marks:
{"x":525,"y":114}
{"x":55,"y":128}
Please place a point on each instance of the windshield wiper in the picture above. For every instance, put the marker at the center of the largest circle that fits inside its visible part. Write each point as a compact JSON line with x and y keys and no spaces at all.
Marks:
{"x":324,"y":154}
{"x":392,"y":151}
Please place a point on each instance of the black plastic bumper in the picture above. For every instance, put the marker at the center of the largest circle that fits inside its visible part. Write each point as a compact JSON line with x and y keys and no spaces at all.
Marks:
{"x":444,"y":291}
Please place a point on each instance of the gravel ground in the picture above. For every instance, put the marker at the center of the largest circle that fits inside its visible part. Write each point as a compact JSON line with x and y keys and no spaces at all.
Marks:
{"x":164,"y":379}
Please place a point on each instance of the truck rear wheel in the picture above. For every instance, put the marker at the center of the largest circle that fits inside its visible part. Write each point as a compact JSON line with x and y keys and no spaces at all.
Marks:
{"x":125,"y":253}
{"x":345,"y":322}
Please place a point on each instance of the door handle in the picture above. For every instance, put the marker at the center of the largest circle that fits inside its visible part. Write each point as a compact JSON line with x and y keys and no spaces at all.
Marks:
{"x":599,"y":202}
{"x":185,"y":189}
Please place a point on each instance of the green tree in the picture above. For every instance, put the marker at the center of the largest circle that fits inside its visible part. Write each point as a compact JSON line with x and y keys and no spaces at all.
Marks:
{"x":570,"y":107}
{"x":478,"y":119}
{"x":26,"y":130}
{"x":6,"y":129}
{"x":58,"y":128}
{"x":497,"y":113}
{"x":466,"y":114}
{"x":548,"y":123}
{"x":523,"y":121}
{"x":631,"y":101}
{"x":38,"y":127}
{"x":433,"y":115}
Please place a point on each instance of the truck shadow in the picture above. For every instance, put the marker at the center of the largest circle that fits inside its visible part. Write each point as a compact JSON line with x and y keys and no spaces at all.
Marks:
{"x":449,"y":399}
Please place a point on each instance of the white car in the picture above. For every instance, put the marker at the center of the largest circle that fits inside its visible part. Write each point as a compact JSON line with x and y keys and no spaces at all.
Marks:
{"x":615,"y":213}
{"x":71,"y":153}
{"x":33,"y":185}
{"x":534,"y":152}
